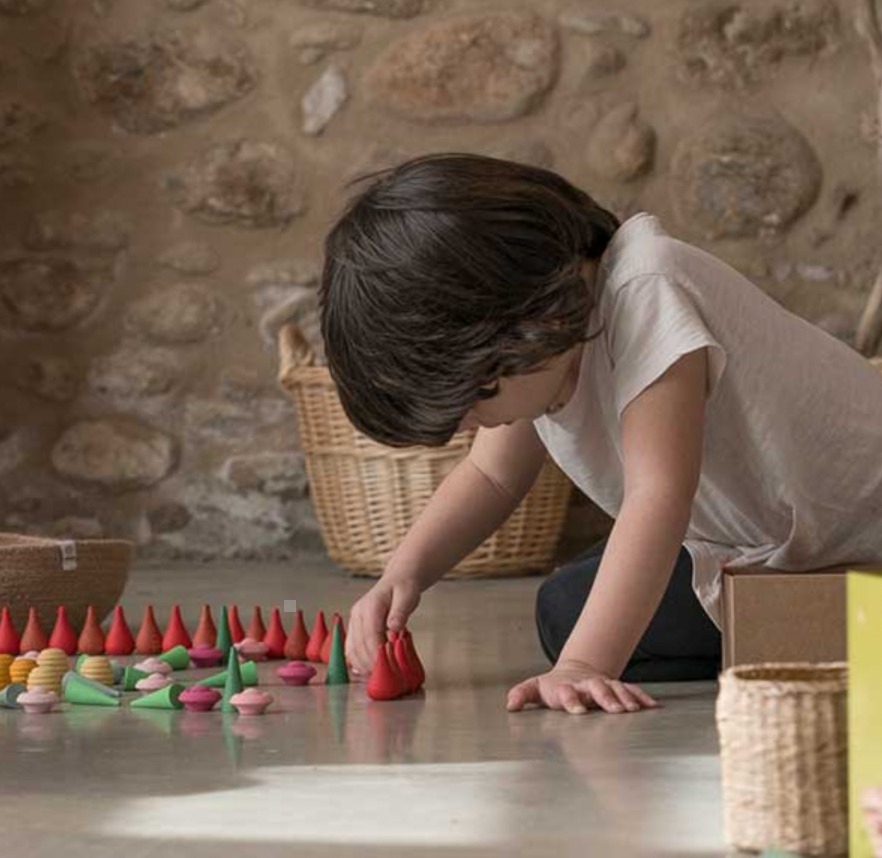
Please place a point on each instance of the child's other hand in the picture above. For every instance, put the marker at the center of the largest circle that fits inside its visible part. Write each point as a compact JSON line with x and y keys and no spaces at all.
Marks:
{"x":387,"y":605}
{"x":575,"y":687}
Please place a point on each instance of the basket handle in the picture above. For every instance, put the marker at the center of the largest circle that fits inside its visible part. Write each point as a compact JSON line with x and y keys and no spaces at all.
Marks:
{"x":294,"y":350}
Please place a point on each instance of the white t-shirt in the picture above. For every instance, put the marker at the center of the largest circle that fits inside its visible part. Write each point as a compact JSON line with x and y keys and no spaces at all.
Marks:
{"x":791,"y":474}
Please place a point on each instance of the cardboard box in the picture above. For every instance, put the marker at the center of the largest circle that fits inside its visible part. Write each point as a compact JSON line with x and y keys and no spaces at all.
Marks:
{"x":772,"y":615}
{"x":864,"y":700}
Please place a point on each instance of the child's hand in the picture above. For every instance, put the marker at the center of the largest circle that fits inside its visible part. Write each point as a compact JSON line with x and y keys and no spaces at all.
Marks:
{"x":574,"y":687}
{"x":387,"y":605}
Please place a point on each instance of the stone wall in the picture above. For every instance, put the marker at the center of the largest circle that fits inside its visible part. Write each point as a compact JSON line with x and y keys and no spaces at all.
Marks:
{"x":169,"y":167}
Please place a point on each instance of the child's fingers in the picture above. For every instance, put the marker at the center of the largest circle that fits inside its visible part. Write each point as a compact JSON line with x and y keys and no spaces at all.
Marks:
{"x":601,"y":694}
{"x":570,"y":700}
{"x":626,"y":697}
{"x":524,"y":693}
{"x":642,"y":696}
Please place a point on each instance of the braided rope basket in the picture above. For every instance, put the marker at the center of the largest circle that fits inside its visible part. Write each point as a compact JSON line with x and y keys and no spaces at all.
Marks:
{"x":367,"y":495}
{"x":783,"y":744}
{"x":45,"y":573}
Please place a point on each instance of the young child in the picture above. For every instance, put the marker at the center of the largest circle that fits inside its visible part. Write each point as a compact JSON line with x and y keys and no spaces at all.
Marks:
{"x":714,"y":426}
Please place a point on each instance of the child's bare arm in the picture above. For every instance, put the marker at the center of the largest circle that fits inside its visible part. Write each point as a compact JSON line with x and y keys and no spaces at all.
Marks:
{"x":662,"y":434}
{"x":470,"y":504}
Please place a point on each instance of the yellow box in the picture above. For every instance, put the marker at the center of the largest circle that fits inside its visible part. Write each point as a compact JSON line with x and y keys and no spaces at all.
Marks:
{"x":864,"y":699}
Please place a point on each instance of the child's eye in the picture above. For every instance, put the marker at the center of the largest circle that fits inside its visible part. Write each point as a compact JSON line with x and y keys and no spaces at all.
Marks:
{"x":488,"y":392}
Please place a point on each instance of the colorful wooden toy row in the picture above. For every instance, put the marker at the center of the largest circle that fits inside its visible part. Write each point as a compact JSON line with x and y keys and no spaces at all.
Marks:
{"x":258,"y":642}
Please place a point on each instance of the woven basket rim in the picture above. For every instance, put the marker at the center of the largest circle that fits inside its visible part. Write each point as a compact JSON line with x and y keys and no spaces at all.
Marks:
{"x":788,"y":676}
{"x":20,"y":541}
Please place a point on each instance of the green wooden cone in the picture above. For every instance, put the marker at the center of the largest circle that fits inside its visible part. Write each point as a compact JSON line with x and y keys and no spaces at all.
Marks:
{"x":10,"y":694}
{"x":80,"y":661}
{"x":98,"y":686}
{"x":177,"y":657}
{"x":79,"y":690}
{"x":164,"y":698}
{"x":337,"y":672}
{"x":131,"y":675}
{"x":224,"y":638}
{"x":119,"y":671}
{"x":247,"y":671}
{"x":234,"y":682}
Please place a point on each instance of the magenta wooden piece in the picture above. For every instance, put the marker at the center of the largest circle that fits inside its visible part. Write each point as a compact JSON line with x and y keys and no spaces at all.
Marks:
{"x":296,"y":673}
{"x":200,"y":698}
{"x":205,"y":656}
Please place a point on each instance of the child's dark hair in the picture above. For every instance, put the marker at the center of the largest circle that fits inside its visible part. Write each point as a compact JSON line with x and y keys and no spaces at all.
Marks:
{"x":448,"y":272}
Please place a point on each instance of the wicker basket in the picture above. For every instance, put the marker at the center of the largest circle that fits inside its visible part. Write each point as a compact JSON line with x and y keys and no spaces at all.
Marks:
{"x":46,"y":573}
{"x":784,"y":743}
{"x":367,"y":495}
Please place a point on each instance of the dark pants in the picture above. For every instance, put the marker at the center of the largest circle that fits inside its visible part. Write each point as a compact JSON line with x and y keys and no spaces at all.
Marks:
{"x":681,"y":642}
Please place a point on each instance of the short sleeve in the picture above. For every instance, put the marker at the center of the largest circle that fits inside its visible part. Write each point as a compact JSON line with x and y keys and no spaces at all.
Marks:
{"x":654,"y":321}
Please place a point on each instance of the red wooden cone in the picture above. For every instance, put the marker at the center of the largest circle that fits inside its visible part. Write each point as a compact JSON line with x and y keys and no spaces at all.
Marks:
{"x":414,"y":659}
{"x":408,"y":671}
{"x":176,"y":633}
{"x":63,"y":636}
{"x":317,"y":638}
{"x":33,"y":636}
{"x":326,"y":646}
{"x":9,"y":639}
{"x":393,"y":664}
{"x":237,"y":633}
{"x":206,"y":631}
{"x":298,"y":639}
{"x":275,"y":636}
{"x":384,"y":682}
{"x":119,"y":640}
{"x":256,"y":628}
{"x":91,"y":640}
{"x":149,"y":639}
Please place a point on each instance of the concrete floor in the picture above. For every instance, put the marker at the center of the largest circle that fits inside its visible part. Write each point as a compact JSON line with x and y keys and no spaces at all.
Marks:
{"x":329,"y":772}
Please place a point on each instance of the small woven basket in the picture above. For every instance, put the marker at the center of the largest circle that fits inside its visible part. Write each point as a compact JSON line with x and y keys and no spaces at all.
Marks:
{"x":367,"y":495}
{"x":784,"y":744}
{"x":45,"y":573}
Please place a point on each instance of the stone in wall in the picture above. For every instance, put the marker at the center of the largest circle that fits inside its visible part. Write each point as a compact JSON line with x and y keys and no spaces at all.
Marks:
{"x":193,"y":258}
{"x":595,"y":25}
{"x":315,"y":40}
{"x":114,"y":454}
{"x":105,"y":231}
{"x":134,"y":373}
{"x":281,"y":474}
{"x":480,"y":68}
{"x":601,"y":61}
{"x":161,"y":81}
{"x":323,"y":100}
{"x":622,"y":144}
{"x":183,"y":5}
{"x":536,"y":153}
{"x":48,"y":293}
{"x":18,"y":123}
{"x":180,"y":314}
{"x":242,"y":182}
{"x":381,"y":8}
{"x":732,"y":45}
{"x":16,"y":172}
{"x":48,"y":376}
{"x":22,"y":7}
{"x":743,"y":176}
{"x":168,"y":517}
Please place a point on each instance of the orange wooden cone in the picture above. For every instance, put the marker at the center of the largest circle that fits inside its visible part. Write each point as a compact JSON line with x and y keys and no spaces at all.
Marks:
{"x":176,"y":633}
{"x":317,"y":638}
{"x":91,"y":640}
{"x":384,"y":682}
{"x":326,"y":646}
{"x":33,"y":637}
{"x":149,"y":639}
{"x":256,"y":628}
{"x":298,"y":639}
{"x":275,"y":636}
{"x":63,"y":636}
{"x":119,"y":640}
{"x":237,"y":633}
{"x":206,"y":631}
